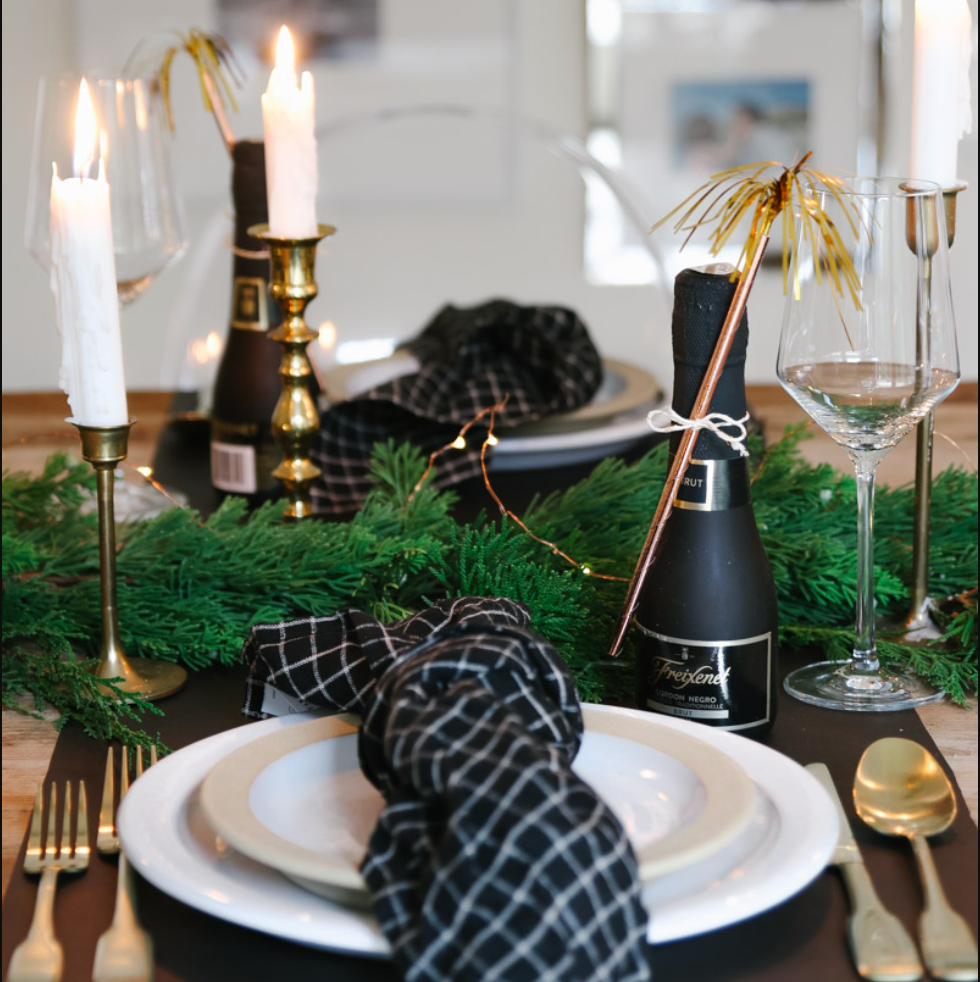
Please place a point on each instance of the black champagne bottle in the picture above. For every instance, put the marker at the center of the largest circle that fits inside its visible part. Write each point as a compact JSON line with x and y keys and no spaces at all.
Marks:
{"x":706,"y":639}
{"x":243,"y":449}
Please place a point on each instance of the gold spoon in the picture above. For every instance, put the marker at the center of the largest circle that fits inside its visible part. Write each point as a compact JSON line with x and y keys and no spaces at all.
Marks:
{"x":900,"y":789}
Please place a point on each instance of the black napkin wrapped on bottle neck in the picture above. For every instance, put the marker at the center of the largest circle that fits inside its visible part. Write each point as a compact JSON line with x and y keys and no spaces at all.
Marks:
{"x":491,"y":859}
{"x":542,"y":358}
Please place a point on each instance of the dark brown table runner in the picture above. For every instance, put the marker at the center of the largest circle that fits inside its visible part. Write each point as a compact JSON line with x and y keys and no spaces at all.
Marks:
{"x":802,"y":939}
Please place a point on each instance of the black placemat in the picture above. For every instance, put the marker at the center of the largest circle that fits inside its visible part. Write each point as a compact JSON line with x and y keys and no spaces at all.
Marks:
{"x":802,"y":939}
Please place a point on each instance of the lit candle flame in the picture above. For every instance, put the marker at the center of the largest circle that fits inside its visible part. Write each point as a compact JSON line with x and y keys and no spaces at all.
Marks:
{"x":285,"y":53}
{"x":85,"y":132}
{"x":103,"y":153}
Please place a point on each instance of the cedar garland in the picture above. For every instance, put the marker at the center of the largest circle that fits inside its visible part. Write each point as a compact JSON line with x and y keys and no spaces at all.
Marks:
{"x":189,"y":590}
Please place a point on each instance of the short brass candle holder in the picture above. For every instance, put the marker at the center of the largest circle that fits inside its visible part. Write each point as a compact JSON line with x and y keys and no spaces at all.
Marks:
{"x":918,"y":621}
{"x":295,"y":420}
{"x":104,"y":447}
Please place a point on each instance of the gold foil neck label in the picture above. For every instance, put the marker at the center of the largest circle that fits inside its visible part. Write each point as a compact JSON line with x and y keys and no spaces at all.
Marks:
{"x":249,"y":304}
{"x":714,"y":485}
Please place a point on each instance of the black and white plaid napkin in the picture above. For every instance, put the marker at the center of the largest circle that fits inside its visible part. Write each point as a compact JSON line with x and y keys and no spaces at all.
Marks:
{"x":470,"y":358}
{"x":491,"y":859}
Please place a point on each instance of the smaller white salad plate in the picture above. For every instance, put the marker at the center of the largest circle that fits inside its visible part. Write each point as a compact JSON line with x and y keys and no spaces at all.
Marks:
{"x":297,"y":800}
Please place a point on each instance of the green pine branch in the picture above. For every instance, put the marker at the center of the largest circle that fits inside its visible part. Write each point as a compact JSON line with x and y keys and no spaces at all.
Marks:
{"x":190,"y":589}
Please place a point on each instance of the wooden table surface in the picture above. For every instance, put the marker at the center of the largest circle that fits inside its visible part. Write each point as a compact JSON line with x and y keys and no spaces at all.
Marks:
{"x":33,"y":428}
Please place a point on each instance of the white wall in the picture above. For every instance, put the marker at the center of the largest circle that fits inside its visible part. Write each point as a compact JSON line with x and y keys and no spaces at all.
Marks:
{"x":37,"y":38}
{"x":516,"y":232}
{"x":963,"y":255}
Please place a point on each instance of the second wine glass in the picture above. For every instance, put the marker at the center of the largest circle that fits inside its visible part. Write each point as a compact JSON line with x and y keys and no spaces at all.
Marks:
{"x":148,"y":229}
{"x":867,"y":361}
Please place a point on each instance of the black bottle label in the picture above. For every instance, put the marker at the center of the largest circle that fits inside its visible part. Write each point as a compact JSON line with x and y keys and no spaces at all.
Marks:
{"x":249,"y":304}
{"x":714,"y":485}
{"x":726,"y":684}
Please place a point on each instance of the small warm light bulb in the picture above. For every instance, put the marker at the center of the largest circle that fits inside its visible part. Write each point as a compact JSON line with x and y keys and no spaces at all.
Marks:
{"x":204,"y":350}
{"x":85,"y":131}
{"x":586,"y":570}
{"x":459,"y":443}
{"x":147,"y":472}
{"x":327,"y":335}
{"x":492,"y":441}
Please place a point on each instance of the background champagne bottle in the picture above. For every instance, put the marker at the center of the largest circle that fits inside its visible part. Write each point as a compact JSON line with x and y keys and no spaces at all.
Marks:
{"x":243,"y":449}
{"x":706,"y":619}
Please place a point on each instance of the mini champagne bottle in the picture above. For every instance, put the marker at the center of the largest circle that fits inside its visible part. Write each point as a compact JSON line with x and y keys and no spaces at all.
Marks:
{"x":706,"y":640}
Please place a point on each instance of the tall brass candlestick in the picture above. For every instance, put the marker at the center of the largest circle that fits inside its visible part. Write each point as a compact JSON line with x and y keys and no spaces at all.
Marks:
{"x":104,"y":447}
{"x":917,"y":619}
{"x":295,"y":421}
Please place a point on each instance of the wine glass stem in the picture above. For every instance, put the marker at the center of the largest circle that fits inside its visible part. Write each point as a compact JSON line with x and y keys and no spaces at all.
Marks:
{"x":865,"y":657}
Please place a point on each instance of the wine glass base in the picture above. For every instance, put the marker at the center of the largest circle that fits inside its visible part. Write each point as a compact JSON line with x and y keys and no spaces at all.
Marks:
{"x":835,"y":685}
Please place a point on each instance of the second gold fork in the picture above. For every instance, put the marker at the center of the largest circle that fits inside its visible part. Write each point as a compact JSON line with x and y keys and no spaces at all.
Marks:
{"x":124,"y":952}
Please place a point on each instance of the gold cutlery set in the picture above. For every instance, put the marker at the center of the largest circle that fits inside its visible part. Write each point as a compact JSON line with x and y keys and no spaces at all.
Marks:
{"x":900,"y":790}
{"x":124,"y":952}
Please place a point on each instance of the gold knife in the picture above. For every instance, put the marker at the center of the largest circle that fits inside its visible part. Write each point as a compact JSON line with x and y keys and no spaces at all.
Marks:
{"x":880,"y":945}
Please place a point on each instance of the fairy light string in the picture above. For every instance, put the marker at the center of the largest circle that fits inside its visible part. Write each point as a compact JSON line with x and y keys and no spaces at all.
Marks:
{"x":459,"y":443}
{"x":146,"y":473}
{"x":490,"y":440}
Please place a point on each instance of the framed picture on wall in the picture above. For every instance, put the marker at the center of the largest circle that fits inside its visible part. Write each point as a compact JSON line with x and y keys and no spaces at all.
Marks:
{"x":680,"y":92}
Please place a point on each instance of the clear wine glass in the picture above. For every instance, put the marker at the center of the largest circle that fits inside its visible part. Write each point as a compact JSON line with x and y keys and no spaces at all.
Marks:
{"x":147,"y":218}
{"x":867,"y":363}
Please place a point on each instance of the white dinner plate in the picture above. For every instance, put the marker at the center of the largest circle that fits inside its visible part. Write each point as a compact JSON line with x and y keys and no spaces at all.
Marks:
{"x":612,"y":421}
{"x":298,"y":801}
{"x":167,"y":838}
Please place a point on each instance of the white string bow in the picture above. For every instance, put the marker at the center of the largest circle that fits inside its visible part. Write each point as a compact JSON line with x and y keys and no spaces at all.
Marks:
{"x":713,"y":422}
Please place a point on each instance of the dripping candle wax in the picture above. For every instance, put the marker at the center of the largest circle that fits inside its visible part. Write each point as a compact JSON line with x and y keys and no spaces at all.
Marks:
{"x":83,"y":279}
{"x":290,"y":147}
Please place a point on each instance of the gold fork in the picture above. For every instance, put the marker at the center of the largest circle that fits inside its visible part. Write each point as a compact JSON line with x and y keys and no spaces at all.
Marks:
{"x":124,"y":952}
{"x":39,"y":957}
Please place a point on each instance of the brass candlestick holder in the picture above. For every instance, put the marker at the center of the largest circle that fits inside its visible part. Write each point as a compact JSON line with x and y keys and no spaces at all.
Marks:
{"x":918,"y":620}
{"x":104,"y":447}
{"x":295,"y":421}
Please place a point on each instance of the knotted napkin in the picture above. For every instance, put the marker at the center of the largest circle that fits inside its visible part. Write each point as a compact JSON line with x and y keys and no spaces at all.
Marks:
{"x":540,"y":357}
{"x":491,"y":858}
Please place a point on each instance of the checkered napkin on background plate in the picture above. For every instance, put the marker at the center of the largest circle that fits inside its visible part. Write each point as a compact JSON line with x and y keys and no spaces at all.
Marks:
{"x":541,"y":357}
{"x":491,"y":859}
